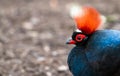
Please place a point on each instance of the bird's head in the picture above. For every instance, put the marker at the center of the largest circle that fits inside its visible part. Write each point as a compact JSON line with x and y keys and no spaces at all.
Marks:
{"x":87,"y":20}
{"x":77,"y":38}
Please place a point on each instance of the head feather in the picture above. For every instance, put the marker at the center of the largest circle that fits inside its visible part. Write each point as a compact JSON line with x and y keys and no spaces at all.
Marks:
{"x":87,"y":19}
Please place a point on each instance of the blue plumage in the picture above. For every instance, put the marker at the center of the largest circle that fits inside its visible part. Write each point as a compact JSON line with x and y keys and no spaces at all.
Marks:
{"x":99,"y":55}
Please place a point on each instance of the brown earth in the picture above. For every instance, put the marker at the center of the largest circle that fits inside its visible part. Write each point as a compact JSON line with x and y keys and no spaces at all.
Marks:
{"x":33,"y":34}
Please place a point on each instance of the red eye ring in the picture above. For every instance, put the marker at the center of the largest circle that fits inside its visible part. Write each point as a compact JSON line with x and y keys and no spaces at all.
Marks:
{"x":80,"y":37}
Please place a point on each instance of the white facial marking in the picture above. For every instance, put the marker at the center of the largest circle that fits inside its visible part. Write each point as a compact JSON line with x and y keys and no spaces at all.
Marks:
{"x":78,"y":30}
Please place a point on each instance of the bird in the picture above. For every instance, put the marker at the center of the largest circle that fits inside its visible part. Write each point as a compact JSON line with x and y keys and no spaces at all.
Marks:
{"x":96,"y":52}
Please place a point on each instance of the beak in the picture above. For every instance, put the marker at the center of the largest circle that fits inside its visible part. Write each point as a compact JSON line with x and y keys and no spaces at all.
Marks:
{"x":70,"y":41}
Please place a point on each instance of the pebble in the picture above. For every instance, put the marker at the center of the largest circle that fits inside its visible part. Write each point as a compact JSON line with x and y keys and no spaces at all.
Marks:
{"x":62,"y":68}
{"x":48,"y":73}
{"x":54,"y":53}
{"x":41,"y":59}
{"x":46,"y":48}
{"x":27,"y":25}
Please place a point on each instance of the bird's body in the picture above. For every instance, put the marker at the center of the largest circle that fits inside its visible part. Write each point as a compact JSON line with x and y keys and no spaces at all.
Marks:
{"x":97,"y":52}
{"x":99,"y":56}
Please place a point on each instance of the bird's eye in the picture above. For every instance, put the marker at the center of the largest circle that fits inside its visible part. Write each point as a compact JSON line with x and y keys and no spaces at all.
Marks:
{"x":80,"y":37}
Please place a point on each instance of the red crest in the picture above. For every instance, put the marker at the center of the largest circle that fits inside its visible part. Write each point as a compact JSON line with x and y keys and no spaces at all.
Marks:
{"x":88,"y":20}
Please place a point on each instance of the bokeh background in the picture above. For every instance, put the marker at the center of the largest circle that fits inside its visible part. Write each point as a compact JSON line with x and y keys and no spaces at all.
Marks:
{"x":33,"y":34}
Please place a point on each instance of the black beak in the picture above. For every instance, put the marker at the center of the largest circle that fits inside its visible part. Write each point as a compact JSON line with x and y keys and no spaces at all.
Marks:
{"x":70,"y":41}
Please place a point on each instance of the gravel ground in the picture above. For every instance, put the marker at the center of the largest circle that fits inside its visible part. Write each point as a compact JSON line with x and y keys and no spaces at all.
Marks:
{"x":33,"y":34}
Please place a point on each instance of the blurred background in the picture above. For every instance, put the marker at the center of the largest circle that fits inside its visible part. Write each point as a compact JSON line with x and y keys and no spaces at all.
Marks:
{"x":33,"y":34}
